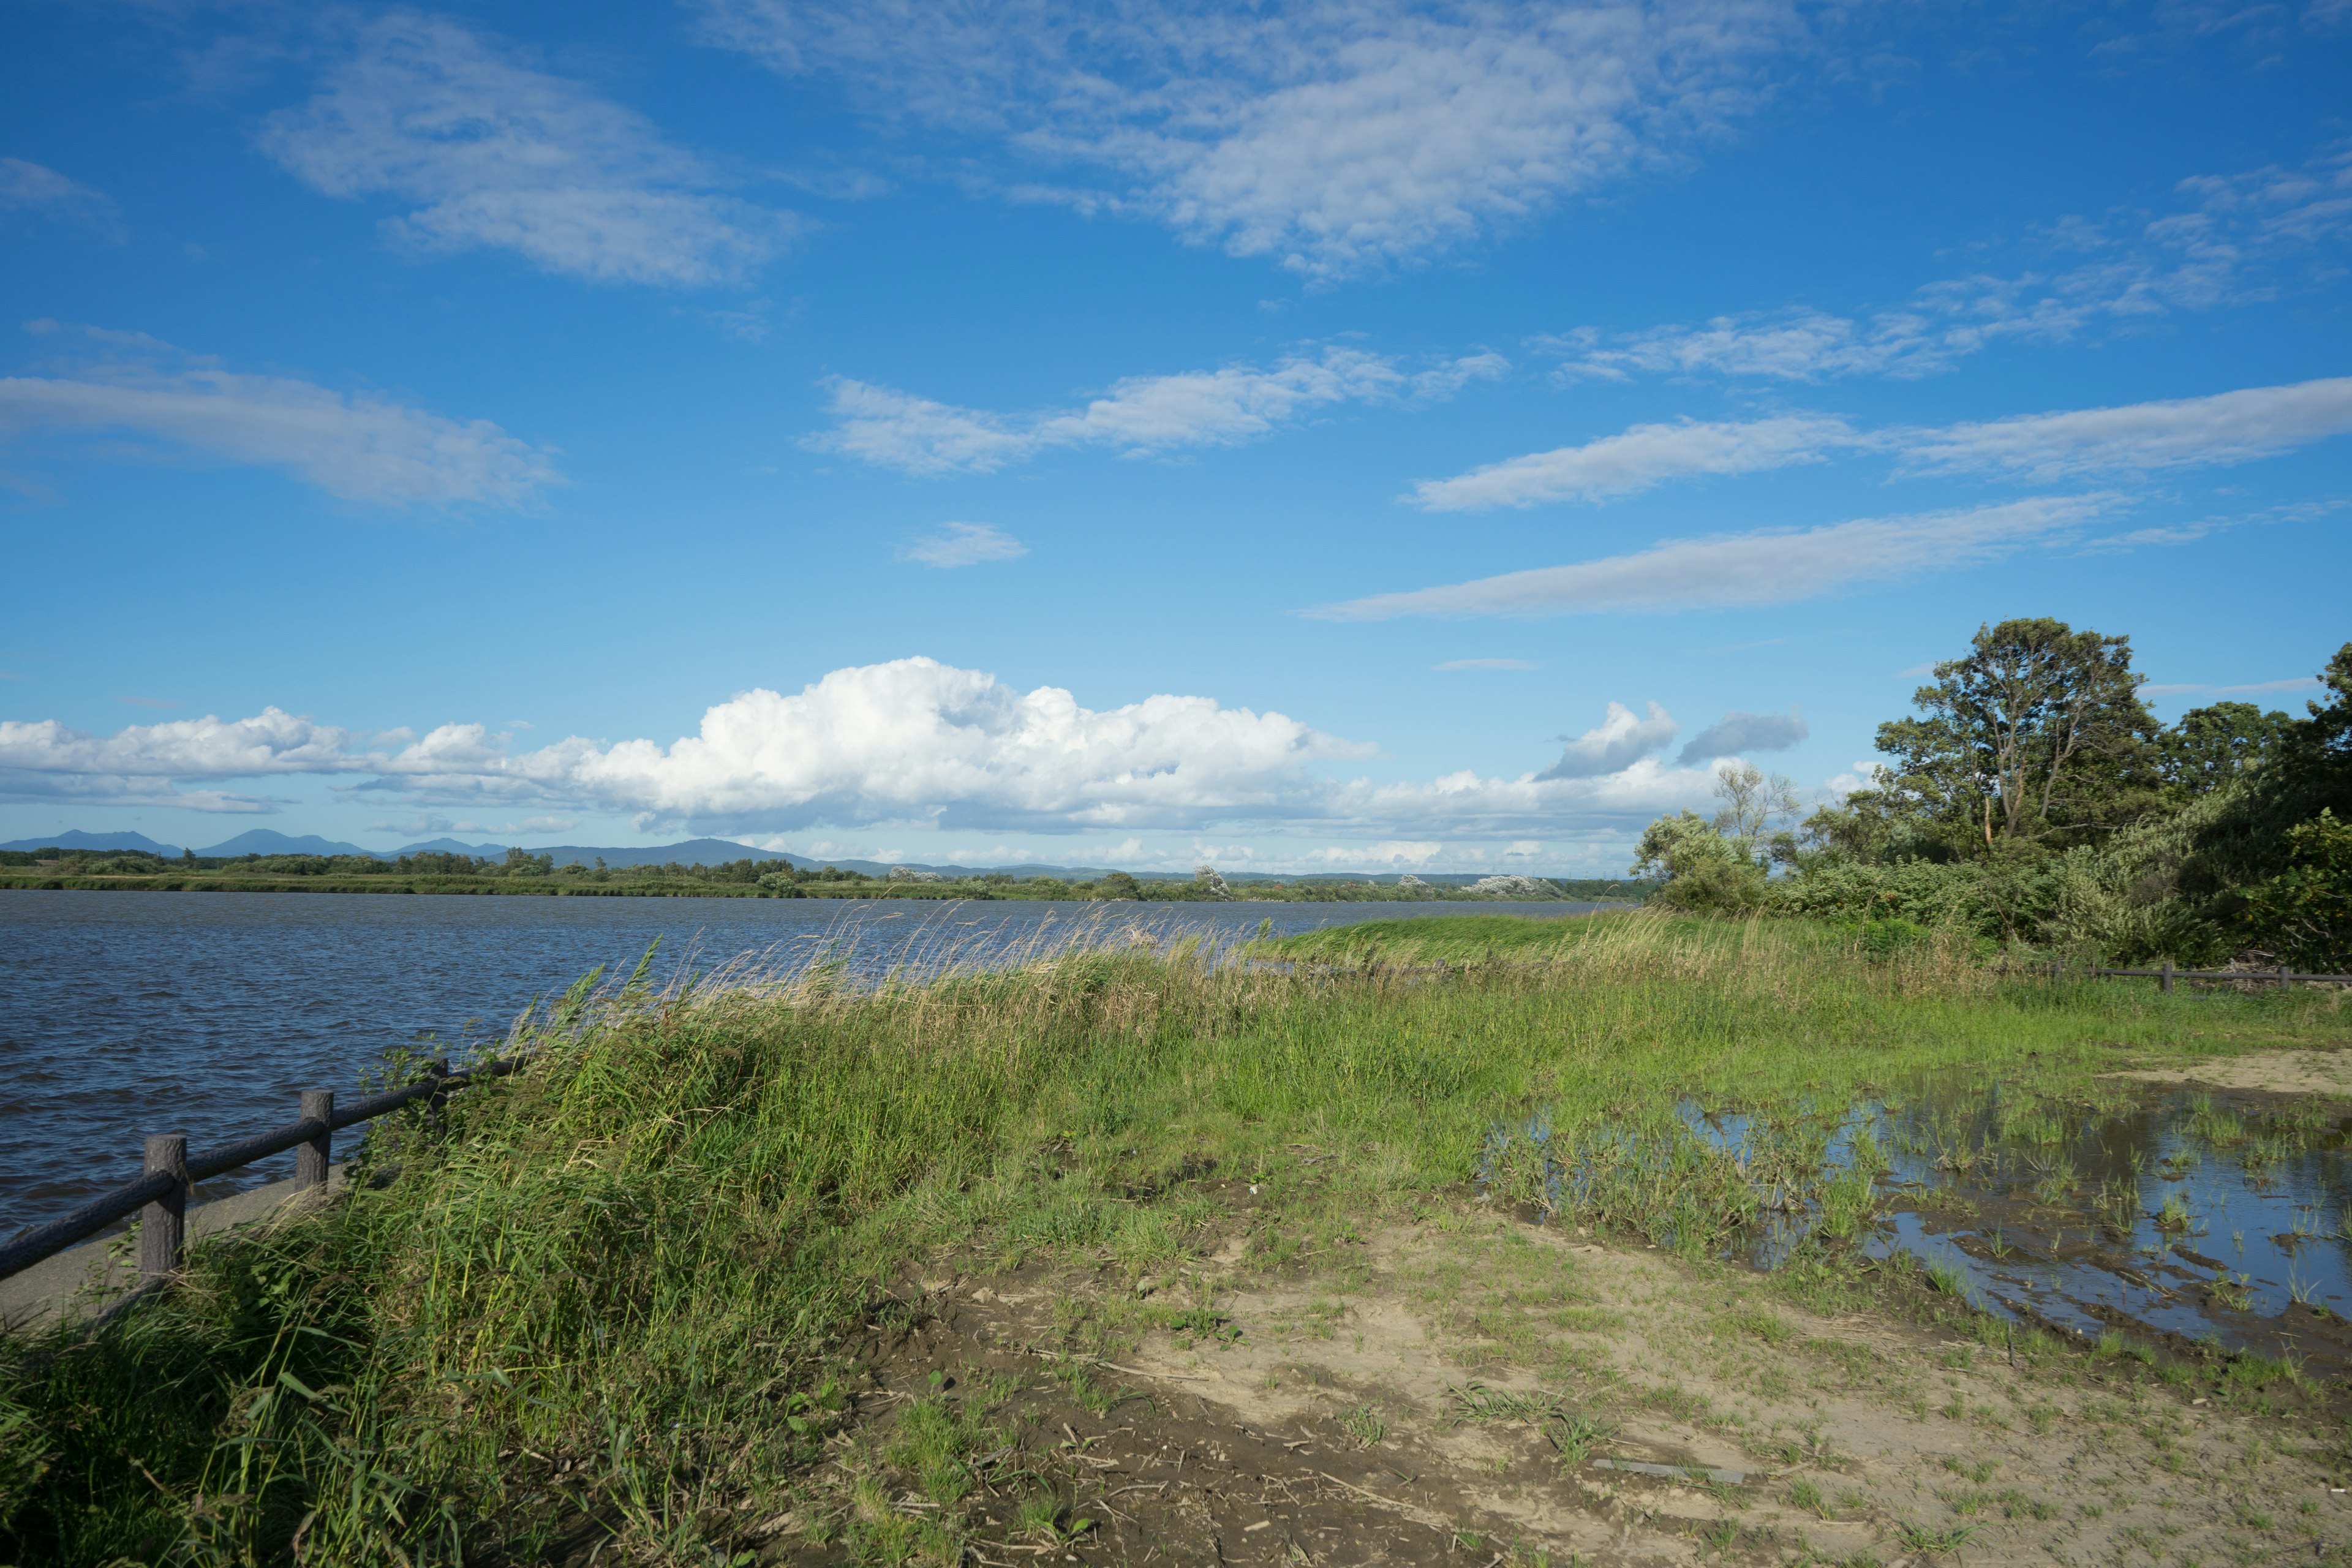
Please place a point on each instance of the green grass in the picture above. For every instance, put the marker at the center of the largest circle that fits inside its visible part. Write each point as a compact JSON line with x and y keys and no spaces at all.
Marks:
{"x":608,"y":1296}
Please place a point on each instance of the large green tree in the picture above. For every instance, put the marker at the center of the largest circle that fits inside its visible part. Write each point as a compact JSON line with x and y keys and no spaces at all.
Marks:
{"x":2208,"y":747}
{"x":2036,"y":738}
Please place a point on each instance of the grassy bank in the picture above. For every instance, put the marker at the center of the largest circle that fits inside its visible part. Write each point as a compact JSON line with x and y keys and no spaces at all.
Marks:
{"x":607,"y":1293}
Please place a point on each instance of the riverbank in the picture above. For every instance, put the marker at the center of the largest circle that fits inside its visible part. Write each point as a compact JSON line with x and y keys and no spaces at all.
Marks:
{"x":807,"y":1274}
{"x":576,"y":882}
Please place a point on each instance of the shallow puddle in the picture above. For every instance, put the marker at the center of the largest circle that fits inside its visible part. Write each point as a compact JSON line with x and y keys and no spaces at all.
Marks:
{"x":2213,"y":1217}
{"x":2186,"y":1215}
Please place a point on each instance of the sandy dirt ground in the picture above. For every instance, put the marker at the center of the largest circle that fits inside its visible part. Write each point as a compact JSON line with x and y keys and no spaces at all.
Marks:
{"x":1476,"y":1389}
{"x":2275,"y":1072}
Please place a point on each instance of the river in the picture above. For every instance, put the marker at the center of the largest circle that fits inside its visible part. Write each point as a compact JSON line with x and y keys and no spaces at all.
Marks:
{"x":124,"y":1013}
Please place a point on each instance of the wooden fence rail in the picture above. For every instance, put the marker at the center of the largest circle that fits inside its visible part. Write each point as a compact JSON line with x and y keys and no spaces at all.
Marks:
{"x":159,"y":1196}
{"x":2166,"y":974}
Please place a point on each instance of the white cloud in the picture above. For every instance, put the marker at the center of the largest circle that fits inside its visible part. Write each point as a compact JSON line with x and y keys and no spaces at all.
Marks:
{"x":1765,"y":567}
{"x":43,"y":760}
{"x":499,"y":154}
{"x":1139,"y":415}
{"x":1408,"y":854}
{"x":1740,"y":733}
{"x":911,"y":742}
{"x":359,"y":447}
{"x":1617,"y":744}
{"x":2229,"y":428}
{"x":2251,"y":688}
{"x":1641,"y":457}
{"x":964,"y":544}
{"x":31,"y":188}
{"x":1861,"y":775}
{"x":2225,"y":246}
{"x":1484,"y":664}
{"x":1334,"y":137}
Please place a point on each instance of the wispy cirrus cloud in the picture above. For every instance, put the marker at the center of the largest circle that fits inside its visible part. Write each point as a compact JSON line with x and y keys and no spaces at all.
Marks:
{"x":1334,"y":138}
{"x":2247,"y":689}
{"x":358,"y":445}
{"x":2226,"y":243}
{"x":42,"y":192}
{"x":498,"y":154}
{"x":955,"y":545}
{"x":2132,"y":438}
{"x":1641,"y":456}
{"x":1138,"y":417}
{"x":911,"y":742}
{"x":1765,"y":567}
{"x":2227,"y":427}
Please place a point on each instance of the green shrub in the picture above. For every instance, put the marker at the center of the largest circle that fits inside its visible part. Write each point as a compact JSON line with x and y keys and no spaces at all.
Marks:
{"x":2305,"y":913}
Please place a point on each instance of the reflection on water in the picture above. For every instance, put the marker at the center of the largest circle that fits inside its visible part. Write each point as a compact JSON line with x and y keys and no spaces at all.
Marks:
{"x":2187,"y":1213}
{"x":127,"y":1014}
{"x":2218,"y":1218}
{"x":2184,"y":1214}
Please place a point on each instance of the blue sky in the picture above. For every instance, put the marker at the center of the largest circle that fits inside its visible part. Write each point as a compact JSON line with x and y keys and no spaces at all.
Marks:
{"x":1334,"y":436}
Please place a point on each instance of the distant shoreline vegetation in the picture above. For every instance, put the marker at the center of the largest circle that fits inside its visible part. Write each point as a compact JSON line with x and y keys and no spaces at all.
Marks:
{"x":524,"y":874}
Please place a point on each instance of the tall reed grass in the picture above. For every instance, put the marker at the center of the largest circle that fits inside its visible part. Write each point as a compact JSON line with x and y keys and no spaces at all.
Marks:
{"x":605,"y":1298}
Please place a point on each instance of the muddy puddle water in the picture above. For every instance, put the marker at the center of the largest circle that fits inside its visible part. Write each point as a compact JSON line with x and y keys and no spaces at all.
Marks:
{"x":2173,"y":1216}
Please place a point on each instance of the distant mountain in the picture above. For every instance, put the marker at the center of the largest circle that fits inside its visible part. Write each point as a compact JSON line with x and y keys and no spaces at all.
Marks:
{"x":76,"y":839}
{"x":267,"y":841}
{"x":693,"y":852}
{"x":441,"y":846}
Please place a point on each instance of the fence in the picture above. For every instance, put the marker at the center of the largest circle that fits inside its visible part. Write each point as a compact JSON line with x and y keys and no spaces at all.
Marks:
{"x":161,"y":1195}
{"x":2166,"y":974}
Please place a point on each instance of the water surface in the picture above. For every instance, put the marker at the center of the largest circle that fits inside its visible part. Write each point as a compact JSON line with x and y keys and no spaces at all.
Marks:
{"x":124,"y":1013}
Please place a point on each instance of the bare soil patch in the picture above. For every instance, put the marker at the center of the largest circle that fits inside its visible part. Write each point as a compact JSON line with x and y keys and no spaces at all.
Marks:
{"x":2272,"y":1072}
{"x":1469,"y":1389}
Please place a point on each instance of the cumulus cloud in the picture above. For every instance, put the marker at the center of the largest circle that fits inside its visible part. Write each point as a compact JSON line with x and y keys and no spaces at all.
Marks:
{"x":357,"y":446}
{"x":1765,"y":567}
{"x":1138,"y":416}
{"x":912,"y":741}
{"x":1740,"y":733}
{"x":1334,"y":138}
{"x":1620,"y":741}
{"x":2229,"y":428}
{"x":964,"y":544}
{"x":142,"y":766}
{"x":1390,"y":853}
{"x":31,"y":188}
{"x":1641,"y":456}
{"x":498,"y":154}
{"x":2226,"y":243}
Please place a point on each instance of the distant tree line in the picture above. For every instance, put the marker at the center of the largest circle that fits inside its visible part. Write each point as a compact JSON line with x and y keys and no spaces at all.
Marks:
{"x":2032,"y":798}
{"x":521,"y":871}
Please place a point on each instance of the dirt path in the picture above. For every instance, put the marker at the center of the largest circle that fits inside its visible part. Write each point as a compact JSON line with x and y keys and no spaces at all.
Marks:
{"x":2275,"y":1072}
{"x":1470,"y":1391}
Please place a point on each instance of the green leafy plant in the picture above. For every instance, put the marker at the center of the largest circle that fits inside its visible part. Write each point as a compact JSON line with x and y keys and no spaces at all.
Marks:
{"x":2305,"y":913}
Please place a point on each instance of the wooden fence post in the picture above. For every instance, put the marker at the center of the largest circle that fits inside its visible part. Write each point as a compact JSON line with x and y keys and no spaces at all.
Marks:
{"x":2165,"y":985}
{"x":2286,"y":976}
{"x":311,"y":1159}
{"x":162,"y":1223}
